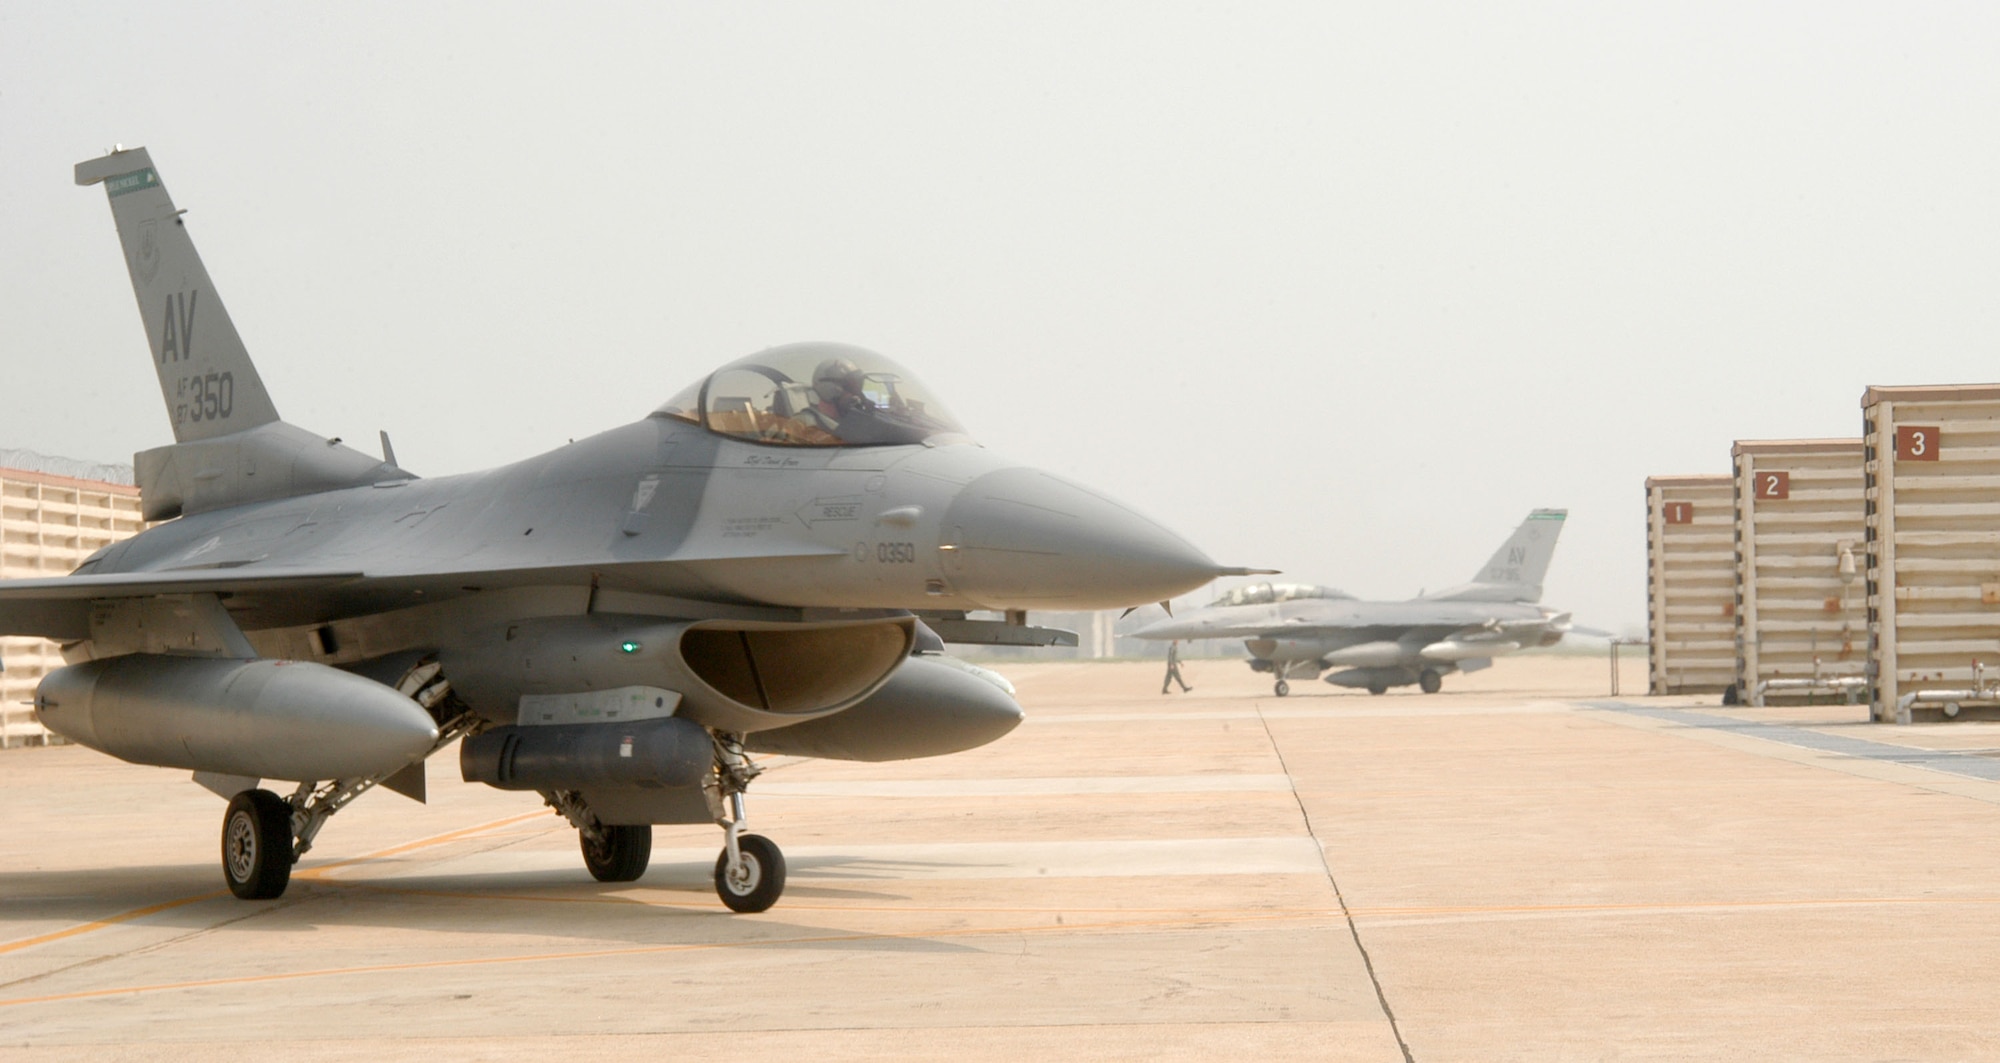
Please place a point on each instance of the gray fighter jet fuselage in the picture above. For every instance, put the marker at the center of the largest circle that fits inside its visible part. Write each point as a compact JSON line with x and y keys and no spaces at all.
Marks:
{"x":1299,"y":630}
{"x":616,"y":624}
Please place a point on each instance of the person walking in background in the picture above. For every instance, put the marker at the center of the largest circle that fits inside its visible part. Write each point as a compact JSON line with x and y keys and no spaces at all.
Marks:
{"x":1174,"y":670}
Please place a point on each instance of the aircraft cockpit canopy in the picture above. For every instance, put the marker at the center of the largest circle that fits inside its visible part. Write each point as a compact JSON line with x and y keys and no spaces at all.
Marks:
{"x":1270,"y":593}
{"x":816,"y":395}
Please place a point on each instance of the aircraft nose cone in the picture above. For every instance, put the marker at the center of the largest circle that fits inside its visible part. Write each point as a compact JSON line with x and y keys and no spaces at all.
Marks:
{"x":1022,"y":539}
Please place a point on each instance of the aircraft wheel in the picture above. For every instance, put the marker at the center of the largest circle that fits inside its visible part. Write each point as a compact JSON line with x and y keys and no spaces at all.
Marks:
{"x":257,"y":845}
{"x":621,"y":856}
{"x":1283,"y":688}
{"x":1378,"y":689}
{"x":1430,"y":681}
{"x":761,"y":880}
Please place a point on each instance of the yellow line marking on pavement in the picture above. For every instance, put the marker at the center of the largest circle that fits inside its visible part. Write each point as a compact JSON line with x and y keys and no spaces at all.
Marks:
{"x":643,"y":950}
{"x":107,"y":921}
{"x":420,"y":843}
{"x":314,"y":873}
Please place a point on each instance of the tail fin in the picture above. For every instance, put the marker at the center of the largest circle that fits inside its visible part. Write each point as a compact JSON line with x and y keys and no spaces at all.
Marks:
{"x":1514,"y":573}
{"x":210,"y":386}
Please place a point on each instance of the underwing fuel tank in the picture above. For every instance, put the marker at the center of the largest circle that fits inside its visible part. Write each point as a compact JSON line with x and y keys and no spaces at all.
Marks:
{"x":933,"y":705}
{"x":1380,"y":654}
{"x":1459,"y":649}
{"x":268,"y":719}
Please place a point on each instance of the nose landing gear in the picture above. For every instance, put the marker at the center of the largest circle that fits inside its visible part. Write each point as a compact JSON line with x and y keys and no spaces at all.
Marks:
{"x":750,"y":870}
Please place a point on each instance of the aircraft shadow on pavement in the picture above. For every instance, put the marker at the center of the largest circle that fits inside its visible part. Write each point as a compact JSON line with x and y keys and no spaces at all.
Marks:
{"x":661,"y":908}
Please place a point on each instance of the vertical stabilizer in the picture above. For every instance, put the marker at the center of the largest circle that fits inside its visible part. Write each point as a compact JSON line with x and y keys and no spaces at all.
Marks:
{"x":211,"y":389}
{"x":1514,"y":573}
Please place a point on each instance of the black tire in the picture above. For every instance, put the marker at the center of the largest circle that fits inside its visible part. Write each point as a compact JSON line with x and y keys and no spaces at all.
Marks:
{"x":621,"y":856}
{"x":1429,"y":681}
{"x":765,"y":879}
{"x":1729,"y":694}
{"x":1378,"y":689}
{"x":257,"y":845}
{"x":1283,"y":688}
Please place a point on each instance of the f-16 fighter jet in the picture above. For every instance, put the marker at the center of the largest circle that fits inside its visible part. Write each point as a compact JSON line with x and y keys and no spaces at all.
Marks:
{"x":617,"y":625}
{"x":1300,"y":630}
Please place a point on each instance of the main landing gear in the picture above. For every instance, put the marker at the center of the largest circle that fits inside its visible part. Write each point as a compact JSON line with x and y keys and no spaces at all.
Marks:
{"x":1282,"y":688}
{"x":257,"y":845}
{"x":617,"y":854}
{"x":263,"y":834}
{"x":1429,"y":681}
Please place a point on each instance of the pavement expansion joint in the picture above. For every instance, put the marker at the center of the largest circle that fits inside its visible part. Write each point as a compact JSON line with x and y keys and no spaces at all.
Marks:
{"x":1347,"y":914}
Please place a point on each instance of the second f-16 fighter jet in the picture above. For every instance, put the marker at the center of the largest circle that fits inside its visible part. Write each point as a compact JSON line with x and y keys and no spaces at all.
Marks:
{"x":617,"y":625}
{"x":1297,"y":631}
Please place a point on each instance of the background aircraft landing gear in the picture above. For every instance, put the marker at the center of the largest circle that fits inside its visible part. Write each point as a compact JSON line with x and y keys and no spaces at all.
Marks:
{"x":257,"y":845}
{"x":1283,"y":688}
{"x":1429,"y":681}
{"x":1378,"y":689}
{"x":617,"y":854}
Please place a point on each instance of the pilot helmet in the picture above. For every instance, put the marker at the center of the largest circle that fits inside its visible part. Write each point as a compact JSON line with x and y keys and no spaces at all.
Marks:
{"x":836,"y":377}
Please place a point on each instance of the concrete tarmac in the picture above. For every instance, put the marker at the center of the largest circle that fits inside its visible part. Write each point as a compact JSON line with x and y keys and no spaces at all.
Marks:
{"x":1520,"y":867}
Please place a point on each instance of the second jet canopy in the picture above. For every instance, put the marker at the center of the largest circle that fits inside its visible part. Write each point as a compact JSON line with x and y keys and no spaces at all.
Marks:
{"x":817,"y":395}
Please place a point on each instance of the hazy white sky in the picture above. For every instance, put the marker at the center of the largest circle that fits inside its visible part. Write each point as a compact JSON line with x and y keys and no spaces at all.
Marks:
{"x":1343,"y":289}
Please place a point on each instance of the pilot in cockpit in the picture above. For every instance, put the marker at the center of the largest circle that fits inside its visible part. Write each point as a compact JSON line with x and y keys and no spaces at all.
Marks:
{"x":838,"y":399}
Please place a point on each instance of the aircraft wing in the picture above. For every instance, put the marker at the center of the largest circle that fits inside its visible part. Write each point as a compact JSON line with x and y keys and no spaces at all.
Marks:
{"x":59,"y":608}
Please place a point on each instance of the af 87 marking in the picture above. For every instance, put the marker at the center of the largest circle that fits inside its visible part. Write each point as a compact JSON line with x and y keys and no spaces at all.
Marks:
{"x":206,"y":397}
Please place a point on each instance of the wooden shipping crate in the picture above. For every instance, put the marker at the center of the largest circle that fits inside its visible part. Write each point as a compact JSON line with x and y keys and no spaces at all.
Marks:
{"x":1801,"y":605}
{"x":1690,"y":584}
{"x":1933,"y":548}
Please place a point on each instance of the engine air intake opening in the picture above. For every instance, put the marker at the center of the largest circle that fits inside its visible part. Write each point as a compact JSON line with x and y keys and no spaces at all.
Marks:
{"x":781,"y":671}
